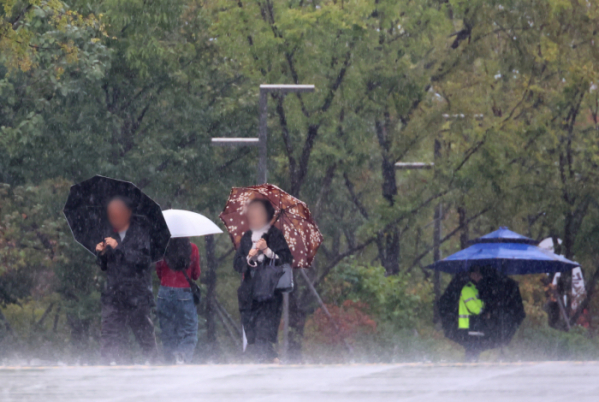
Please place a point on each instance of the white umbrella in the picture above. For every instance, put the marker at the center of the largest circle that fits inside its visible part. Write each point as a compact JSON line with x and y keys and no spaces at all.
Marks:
{"x":183,"y":223}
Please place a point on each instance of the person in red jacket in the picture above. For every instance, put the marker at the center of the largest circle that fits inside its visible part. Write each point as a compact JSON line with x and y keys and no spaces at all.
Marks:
{"x":176,"y":309}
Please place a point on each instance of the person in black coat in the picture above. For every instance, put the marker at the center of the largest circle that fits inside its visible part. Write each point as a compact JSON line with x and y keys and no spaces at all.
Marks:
{"x":503,"y":313}
{"x":503,"y":302}
{"x":260,"y":246}
{"x":127,"y":299}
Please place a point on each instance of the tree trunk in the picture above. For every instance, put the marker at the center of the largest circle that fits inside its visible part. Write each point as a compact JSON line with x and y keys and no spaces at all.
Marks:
{"x":79,"y":334}
{"x":297,"y":323}
{"x":465,"y":233}
{"x":388,"y":242}
{"x":389,"y":180}
{"x":566,"y":277}
{"x":56,"y":319}
{"x":388,"y":245}
{"x":6,"y":324}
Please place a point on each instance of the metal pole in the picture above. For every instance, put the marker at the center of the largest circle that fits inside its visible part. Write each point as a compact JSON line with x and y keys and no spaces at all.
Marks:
{"x":285,"y":326}
{"x":262,"y":171}
{"x":211,"y":285}
{"x":414,"y":166}
{"x":437,"y":243}
{"x":437,"y":257}
{"x":233,"y":142}
{"x":562,"y":309}
{"x":261,"y":179}
{"x":437,"y":225}
{"x":262,"y":136}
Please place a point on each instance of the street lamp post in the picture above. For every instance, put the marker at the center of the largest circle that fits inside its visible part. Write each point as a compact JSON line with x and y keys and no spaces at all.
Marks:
{"x":262,"y":171}
{"x":262,"y":131}
{"x":414,"y":166}
{"x":261,"y":141}
{"x":437,"y":224}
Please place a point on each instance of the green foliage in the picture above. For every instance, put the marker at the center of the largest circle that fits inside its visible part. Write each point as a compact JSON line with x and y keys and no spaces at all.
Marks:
{"x":401,"y":307}
{"x":34,"y":238}
{"x":402,"y":300}
{"x":45,"y":35}
{"x":544,"y":343}
{"x":500,"y":95}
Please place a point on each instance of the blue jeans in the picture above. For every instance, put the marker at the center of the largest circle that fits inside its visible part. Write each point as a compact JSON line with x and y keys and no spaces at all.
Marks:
{"x":178,"y":321}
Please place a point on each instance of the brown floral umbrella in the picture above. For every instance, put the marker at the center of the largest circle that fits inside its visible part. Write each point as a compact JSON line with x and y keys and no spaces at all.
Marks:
{"x":292,"y":217}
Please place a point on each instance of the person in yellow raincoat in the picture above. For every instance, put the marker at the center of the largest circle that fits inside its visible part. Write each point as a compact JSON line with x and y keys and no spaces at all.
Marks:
{"x":470,"y":307}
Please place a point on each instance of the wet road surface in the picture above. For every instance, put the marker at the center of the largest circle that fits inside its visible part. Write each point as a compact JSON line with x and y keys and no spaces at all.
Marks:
{"x":530,"y":382}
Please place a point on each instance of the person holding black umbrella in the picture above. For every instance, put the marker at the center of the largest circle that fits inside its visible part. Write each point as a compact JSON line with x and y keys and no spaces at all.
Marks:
{"x":126,"y":231}
{"x":127,"y":300}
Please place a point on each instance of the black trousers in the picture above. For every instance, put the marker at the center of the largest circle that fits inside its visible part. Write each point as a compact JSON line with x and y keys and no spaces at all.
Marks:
{"x":261,"y":326}
{"x":115,"y":322}
{"x":473,"y":344}
{"x":472,"y":352}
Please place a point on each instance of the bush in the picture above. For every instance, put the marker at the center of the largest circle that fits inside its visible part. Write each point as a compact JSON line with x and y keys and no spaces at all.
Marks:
{"x":382,"y":317}
{"x":390,"y":319}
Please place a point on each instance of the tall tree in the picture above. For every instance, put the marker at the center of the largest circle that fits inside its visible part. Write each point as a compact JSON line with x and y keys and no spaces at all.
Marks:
{"x":528,"y":68}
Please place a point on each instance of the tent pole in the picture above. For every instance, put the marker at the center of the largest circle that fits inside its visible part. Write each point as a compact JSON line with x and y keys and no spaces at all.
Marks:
{"x":437,"y":255}
{"x":562,"y":309}
{"x":286,"y":326}
{"x":502,"y":349}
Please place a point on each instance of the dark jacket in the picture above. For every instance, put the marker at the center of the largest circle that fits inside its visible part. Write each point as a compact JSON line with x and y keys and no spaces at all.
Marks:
{"x":503,"y":303}
{"x":277,"y":243}
{"x":128,"y":274}
{"x":260,"y":319}
{"x":503,"y":313}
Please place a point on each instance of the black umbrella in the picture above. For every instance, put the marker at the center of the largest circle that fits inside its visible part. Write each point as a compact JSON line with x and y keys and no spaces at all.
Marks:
{"x":503,"y":314}
{"x":503,"y":304}
{"x":85,"y":211}
{"x":499,"y":254}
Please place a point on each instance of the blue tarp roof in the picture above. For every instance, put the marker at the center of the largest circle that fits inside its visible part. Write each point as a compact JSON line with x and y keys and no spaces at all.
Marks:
{"x":504,"y":235}
{"x":510,"y":258}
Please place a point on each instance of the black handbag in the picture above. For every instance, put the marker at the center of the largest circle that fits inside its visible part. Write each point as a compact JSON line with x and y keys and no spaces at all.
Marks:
{"x":265,"y":278}
{"x":285,"y":283}
{"x":196,"y":291}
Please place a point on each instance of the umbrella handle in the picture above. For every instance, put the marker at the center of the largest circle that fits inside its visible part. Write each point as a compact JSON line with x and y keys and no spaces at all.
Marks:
{"x":251,"y":262}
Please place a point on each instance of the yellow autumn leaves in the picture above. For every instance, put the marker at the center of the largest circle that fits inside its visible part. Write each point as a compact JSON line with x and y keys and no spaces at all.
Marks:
{"x":26,"y":28}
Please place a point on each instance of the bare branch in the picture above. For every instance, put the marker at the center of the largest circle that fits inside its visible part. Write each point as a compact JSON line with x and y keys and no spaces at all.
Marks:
{"x":417,"y":260}
{"x":341,"y":257}
{"x":354,"y":197}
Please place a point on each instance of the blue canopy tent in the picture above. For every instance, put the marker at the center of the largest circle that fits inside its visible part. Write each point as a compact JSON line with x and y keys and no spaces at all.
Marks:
{"x":508,"y":252}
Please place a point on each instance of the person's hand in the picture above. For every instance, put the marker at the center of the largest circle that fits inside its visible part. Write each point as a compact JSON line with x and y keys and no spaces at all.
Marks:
{"x":111,"y":242}
{"x":261,"y":245}
{"x":100,"y":247}
{"x":253,"y":252}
